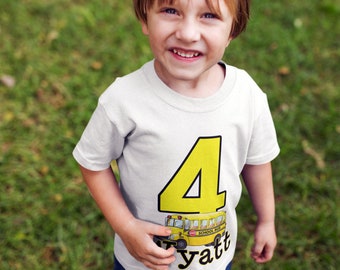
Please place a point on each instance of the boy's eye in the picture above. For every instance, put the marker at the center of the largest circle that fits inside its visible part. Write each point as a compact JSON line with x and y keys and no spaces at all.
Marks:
{"x":170,"y":11}
{"x":209,"y":16}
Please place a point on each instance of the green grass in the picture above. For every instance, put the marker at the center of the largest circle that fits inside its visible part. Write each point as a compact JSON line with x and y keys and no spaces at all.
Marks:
{"x":63,"y":54}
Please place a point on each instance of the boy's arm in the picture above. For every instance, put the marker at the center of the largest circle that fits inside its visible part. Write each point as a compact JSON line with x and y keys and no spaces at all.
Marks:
{"x":258,"y":180}
{"x":137,"y":235}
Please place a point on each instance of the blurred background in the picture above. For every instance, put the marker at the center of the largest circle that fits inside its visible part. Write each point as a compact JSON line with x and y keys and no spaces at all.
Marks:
{"x":58,"y":56}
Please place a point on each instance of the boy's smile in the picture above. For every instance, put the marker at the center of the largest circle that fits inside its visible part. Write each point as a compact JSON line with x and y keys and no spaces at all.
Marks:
{"x":188,"y":39}
{"x":185,"y":54}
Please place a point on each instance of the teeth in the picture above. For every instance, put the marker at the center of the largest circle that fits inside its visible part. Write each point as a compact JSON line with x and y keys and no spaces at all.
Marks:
{"x":186,"y":55}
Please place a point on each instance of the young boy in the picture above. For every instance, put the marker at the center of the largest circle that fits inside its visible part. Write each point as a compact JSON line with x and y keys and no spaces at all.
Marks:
{"x":182,"y":129}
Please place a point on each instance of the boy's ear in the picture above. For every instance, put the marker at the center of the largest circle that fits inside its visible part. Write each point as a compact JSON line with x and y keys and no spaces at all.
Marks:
{"x":145,"y":28}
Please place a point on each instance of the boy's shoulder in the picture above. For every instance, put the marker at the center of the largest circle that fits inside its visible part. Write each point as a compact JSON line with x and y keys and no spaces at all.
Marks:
{"x":130,"y":84}
{"x":239,"y":72}
{"x":134,"y":79}
{"x":243,"y":80}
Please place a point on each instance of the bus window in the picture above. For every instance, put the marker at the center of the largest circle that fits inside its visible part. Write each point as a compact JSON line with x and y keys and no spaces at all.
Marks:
{"x":194,"y":224}
{"x":204,"y":224}
{"x":178,"y":223}
{"x":186,"y":225}
{"x":170,"y":222}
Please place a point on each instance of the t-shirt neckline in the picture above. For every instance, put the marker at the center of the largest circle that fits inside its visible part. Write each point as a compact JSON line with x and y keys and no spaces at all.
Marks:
{"x":186,"y":103}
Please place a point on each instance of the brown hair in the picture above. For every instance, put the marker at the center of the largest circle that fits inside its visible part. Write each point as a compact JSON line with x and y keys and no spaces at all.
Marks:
{"x":238,"y":8}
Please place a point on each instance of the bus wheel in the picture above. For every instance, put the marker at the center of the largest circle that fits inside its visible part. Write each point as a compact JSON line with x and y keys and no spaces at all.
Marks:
{"x":181,"y":244}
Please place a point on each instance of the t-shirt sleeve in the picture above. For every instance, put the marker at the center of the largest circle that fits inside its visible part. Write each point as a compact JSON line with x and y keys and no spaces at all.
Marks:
{"x":263,"y":146}
{"x":100,"y":142}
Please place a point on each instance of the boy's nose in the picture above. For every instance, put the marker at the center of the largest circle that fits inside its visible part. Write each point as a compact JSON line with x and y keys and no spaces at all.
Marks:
{"x":188,"y":30}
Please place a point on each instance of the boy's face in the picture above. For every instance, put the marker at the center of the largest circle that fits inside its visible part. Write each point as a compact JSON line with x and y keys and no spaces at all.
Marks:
{"x":187,"y":38}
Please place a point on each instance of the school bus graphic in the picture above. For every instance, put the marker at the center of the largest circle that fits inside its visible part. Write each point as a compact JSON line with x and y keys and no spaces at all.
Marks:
{"x":194,"y":229}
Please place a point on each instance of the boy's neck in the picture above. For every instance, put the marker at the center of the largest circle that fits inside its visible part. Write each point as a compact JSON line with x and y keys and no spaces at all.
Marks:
{"x":201,"y":88}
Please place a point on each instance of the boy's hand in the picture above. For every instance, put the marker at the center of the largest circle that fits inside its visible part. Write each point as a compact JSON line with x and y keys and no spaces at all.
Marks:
{"x":138,"y":239}
{"x":265,"y":242}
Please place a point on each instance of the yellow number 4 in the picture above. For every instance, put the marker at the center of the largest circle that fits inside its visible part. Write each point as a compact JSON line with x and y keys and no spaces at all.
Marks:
{"x":202,"y":164}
